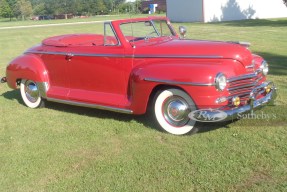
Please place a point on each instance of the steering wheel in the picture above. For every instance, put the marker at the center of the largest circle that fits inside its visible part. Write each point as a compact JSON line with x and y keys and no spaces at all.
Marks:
{"x":149,"y":35}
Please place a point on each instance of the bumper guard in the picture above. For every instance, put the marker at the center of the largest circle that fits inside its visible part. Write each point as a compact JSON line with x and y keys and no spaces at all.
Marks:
{"x":232,"y":114}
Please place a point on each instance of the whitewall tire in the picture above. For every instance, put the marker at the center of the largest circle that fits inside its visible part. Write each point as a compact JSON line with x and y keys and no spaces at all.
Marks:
{"x":30,"y":94}
{"x":170,"y":110}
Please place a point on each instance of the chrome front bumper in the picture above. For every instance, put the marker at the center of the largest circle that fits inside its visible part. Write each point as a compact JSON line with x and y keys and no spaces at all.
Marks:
{"x":234,"y":113}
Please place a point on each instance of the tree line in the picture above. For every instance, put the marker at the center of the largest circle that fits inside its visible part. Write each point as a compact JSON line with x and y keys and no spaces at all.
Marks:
{"x":24,"y":9}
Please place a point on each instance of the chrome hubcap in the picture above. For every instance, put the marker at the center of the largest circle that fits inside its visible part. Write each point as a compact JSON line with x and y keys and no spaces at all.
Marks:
{"x":175,"y":111}
{"x":31,"y":91}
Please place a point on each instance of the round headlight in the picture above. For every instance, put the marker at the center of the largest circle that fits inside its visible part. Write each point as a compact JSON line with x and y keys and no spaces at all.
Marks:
{"x":220,"y":81}
{"x":264,"y":68}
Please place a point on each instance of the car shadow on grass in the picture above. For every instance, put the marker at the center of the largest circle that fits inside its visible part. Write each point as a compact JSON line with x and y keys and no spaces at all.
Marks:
{"x":208,"y":127}
{"x":13,"y":95}
{"x":199,"y":127}
{"x":97,"y":113}
{"x":90,"y":112}
{"x":277,"y":63}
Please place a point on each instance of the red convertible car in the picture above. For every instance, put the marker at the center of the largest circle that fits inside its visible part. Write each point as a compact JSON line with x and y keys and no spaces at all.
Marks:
{"x":142,"y":65}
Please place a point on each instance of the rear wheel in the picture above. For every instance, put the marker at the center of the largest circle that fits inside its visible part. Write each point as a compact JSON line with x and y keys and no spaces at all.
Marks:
{"x":170,"y":110}
{"x":30,"y":94}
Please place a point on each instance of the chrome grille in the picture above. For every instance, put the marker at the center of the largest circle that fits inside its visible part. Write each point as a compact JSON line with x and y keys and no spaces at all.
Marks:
{"x":243,"y":85}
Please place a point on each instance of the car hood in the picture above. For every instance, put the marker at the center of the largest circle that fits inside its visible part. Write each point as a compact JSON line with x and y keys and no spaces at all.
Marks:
{"x":178,"y":48}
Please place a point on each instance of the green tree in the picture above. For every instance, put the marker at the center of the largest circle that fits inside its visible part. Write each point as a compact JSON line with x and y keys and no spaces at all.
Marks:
{"x":77,"y":7}
{"x":57,"y":7}
{"x":100,"y":7}
{"x":5,"y":10}
{"x":40,"y":9}
{"x":109,"y":5}
{"x":125,"y":7}
{"x":90,"y":7}
{"x":23,"y":8}
{"x":12,"y":4}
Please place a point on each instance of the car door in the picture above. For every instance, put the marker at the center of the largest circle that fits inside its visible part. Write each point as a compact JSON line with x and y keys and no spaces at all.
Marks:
{"x":56,"y":65}
{"x":96,"y":75}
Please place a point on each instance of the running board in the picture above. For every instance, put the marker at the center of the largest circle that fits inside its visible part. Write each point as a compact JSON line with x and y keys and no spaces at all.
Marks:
{"x":95,"y":106}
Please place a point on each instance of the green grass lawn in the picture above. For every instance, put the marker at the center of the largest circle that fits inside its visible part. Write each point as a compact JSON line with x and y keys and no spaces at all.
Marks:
{"x":8,"y":23}
{"x":66,"y":148}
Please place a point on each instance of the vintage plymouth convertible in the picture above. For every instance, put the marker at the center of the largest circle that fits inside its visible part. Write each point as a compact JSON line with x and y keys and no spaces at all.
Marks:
{"x":142,"y":65}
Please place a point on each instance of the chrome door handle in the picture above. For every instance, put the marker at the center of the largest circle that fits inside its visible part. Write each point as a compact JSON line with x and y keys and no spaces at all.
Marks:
{"x":69,"y":56}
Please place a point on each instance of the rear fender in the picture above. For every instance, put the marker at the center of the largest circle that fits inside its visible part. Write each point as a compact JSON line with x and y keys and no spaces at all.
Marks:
{"x":26,"y":67}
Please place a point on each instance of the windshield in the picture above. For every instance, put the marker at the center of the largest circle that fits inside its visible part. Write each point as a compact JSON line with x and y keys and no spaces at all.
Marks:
{"x":146,"y":29}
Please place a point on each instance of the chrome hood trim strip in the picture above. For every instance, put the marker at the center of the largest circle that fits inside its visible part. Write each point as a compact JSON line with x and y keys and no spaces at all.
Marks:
{"x":178,"y":82}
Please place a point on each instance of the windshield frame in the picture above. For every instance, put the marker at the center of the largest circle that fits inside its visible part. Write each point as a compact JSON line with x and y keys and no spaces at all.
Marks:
{"x":134,"y":38}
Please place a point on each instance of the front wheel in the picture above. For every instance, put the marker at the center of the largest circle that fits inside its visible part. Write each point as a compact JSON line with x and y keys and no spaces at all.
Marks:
{"x":30,"y":94}
{"x":170,"y":110}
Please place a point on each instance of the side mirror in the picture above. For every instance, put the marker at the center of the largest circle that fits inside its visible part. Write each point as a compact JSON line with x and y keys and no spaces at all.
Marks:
{"x":182,"y":31}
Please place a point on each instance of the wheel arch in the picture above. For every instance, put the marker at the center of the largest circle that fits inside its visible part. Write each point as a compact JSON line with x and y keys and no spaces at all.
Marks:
{"x":142,"y":100}
{"x":162,"y":87}
{"x":26,"y":67}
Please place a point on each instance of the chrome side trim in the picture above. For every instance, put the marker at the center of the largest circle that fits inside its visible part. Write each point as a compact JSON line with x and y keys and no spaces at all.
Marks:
{"x":95,"y":106}
{"x":181,"y":56}
{"x":129,"y":56}
{"x":75,"y":54}
{"x":178,"y":82}
{"x":43,"y":88}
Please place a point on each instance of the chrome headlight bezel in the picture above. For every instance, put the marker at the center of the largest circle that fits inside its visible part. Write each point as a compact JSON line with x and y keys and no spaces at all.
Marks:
{"x":220,"y":81}
{"x":264,"y":67}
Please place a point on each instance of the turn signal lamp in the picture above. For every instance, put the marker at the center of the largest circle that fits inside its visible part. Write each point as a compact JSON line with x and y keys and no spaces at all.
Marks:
{"x":268,"y":88}
{"x":236,"y":101}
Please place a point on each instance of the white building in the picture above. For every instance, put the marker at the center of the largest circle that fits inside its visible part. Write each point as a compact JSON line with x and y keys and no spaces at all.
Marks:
{"x":224,"y":10}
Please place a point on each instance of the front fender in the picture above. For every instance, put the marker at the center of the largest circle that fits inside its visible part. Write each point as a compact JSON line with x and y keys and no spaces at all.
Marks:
{"x":193,"y":73}
{"x":196,"y":78}
{"x":26,"y":67}
{"x":145,"y":78}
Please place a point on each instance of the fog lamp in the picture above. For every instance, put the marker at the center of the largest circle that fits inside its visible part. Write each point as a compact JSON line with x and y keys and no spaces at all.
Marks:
{"x":268,"y":88}
{"x":236,"y":101}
